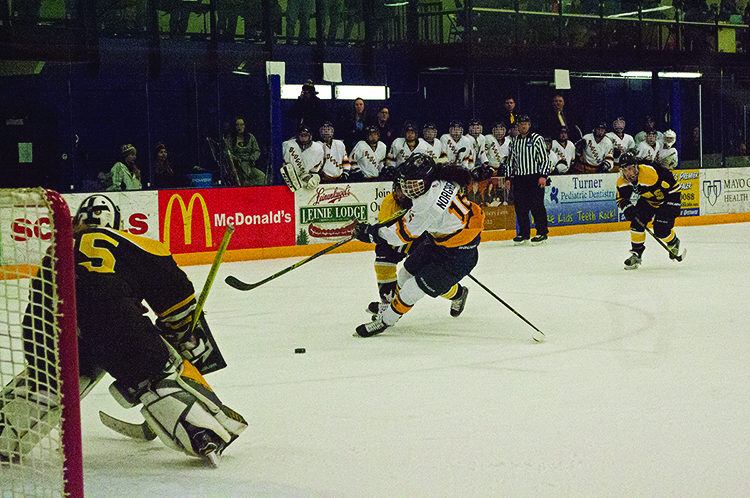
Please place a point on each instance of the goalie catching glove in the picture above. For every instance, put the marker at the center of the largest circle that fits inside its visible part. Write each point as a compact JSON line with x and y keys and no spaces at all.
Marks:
{"x":184,"y":412}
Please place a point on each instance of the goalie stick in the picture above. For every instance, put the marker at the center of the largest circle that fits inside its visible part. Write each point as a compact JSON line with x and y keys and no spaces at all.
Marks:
{"x":537,"y":335}
{"x":244,"y":286}
{"x":215,"y":360}
{"x":677,"y":257}
{"x":140,"y":431}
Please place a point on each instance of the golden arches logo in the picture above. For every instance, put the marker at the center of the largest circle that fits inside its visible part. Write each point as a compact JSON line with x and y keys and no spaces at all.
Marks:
{"x":187,"y":218}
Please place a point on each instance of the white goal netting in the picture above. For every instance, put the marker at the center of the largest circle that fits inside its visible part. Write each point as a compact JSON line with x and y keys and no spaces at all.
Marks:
{"x":33,"y":460}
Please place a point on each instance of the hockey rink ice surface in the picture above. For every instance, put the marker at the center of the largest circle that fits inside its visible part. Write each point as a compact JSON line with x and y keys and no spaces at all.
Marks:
{"x":642,"y":387}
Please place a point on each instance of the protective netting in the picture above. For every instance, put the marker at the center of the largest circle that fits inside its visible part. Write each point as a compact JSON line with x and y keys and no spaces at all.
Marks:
{"x":31,"y":455}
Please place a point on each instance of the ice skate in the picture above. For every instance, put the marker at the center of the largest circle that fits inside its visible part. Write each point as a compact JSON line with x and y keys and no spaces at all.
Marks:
{"x":370,"y":329}
{"x":519,"y":241}
{"x":633,"y":262}
{"x":459,"y":301}
{"x":539,"y":239}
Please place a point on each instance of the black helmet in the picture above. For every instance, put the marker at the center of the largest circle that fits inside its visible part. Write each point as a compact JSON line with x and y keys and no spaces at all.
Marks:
{"x":627,"y":158}
{"x":416,"y":174}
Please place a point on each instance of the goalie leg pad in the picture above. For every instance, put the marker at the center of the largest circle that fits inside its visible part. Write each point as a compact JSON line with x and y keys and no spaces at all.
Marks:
{"x":186,"y":414}
{"x":291,"y":177}
{"x":26,"y":417}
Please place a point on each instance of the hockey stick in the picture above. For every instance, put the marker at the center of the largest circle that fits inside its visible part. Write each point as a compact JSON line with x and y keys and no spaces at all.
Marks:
{"x":140,"y":431}
{"x":215,"y":360}
{"x":677,"y":257}
{"x":537,"y":335}
{"x":244,"y":286}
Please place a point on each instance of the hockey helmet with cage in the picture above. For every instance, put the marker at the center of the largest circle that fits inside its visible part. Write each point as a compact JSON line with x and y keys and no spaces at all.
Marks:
{"x":98,"y":210}
{"x":409,"y":126}
{"x":429,"y":131}
{"x":369,"y":132}
{"x":326,"y":131}
{"x":475,"y":128}
{"x":670,"y":137}
{"x":416,"y":174}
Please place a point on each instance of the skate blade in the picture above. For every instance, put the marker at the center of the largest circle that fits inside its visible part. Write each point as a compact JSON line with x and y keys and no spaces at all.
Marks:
{"x":213,"y":459}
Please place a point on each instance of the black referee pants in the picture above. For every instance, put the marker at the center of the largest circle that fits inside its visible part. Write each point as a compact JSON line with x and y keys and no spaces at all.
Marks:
{"x":529,"y":198}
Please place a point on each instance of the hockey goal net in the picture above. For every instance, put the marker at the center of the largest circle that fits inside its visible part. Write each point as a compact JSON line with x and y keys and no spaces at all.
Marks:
{"x":40,"y":447}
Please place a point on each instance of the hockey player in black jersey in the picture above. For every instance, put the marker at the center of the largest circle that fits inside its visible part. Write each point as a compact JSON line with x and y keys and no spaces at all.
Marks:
{"x":645,"y":193}
{"x":157,"y":364}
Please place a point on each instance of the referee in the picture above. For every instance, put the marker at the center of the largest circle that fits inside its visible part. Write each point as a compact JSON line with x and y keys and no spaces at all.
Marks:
{"x":528,"y":167}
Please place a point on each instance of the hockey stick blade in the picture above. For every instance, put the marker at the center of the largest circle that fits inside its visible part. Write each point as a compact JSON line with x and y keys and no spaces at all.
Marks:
{"x":142,"y":432}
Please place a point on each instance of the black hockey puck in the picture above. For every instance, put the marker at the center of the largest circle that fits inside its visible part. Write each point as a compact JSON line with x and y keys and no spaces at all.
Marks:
{"x":299,"y":350}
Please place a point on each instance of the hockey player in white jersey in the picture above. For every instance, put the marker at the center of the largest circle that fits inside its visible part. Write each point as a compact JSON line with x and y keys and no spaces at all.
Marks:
{"x":564,"y":151}
{"x":457,"y":146}
{"x":336,"y":167}
{"x":597,"y":152}
{"x":496,"y":148}
{"x":303,"y":160}
{"x":667,"y":155}
{"x":430,"y":145}
{"x":649,"y":148}
{"x":368,"y":156}
{"x":404,"y":146}
{"x":621,"y":141}
{"x":453,"y":225}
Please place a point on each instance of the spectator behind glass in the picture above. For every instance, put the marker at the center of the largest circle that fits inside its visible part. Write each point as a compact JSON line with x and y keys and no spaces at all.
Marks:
{"x":244,"y":151}
{"x":124,"y":175}
{"x":354,"y":124}
{"x":308,"y":109}
{"x":162,"y":172}
{"x":382,"y":122}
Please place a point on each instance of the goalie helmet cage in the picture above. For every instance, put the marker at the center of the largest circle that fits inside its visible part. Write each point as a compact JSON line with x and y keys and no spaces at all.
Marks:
{"x":34,"y":223}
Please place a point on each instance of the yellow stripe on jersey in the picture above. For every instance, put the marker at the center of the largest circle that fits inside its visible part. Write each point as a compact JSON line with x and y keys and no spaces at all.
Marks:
{"x":473,"y":220}
{"x":182,"y":303}
{"x":153,"y":246}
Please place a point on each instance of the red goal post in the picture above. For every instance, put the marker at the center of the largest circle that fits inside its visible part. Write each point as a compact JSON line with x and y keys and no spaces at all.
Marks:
{"x":34,"y":223}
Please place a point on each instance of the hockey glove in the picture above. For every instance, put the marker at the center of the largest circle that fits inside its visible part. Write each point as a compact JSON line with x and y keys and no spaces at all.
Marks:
{"x":482,"y":173}
{"x":388,"y":173}
{"x":311,"y":180}
{"x":562,"y":166}
{"x":367,"y":233}
{"x":672,"y":209}
{"x":629,"y":212}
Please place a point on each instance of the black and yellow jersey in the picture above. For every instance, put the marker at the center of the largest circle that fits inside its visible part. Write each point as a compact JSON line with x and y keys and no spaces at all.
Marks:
{"x":655,"y":185}
{"x":112,"y":265}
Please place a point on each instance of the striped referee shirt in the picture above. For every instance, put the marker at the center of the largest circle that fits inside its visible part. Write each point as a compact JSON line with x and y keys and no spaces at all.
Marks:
{"x":528,"y":156}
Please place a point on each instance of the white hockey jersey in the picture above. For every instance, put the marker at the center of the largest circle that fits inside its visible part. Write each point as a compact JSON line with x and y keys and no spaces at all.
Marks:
{"x":496,"y":152}
{"x":645,"y":151}
{"x":336,"y":161}
{"x":667,"y":157}
{"x":479,"y":153}
{"x":400,"y":152}
{"x":434,"y":150}
{"x":451,"y":148}
{"x":598,"y":154}
{"x":625,"y":144}
{"x":443,"y":212}
{"x":309,"y":160}
{"x":567,"y":152}
{"x":370,"y":162}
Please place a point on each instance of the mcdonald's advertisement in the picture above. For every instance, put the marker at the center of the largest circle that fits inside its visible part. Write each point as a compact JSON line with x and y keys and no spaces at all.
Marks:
{"x":194,"y":221}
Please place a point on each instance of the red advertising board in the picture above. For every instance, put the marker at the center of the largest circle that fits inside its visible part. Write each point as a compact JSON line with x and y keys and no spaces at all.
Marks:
{"x":194,"y":220}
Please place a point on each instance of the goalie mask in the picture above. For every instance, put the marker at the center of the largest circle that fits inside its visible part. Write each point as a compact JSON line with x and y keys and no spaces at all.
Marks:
{"x":98,"y":210}
{"x":416,"y":174}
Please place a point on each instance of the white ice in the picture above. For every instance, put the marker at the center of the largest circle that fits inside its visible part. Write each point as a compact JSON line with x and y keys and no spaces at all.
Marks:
{"x":641,"y":389}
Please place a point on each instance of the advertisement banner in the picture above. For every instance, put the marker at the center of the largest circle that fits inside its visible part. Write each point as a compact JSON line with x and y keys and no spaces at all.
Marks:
{"x":581,"y":199}
{"x":725,"y":190}
{"x":494,"y":200}
{"x":328,"y":212}
{"x":689,"y":180}
{"x":139,"y":210}
{"x":194,"y":220}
